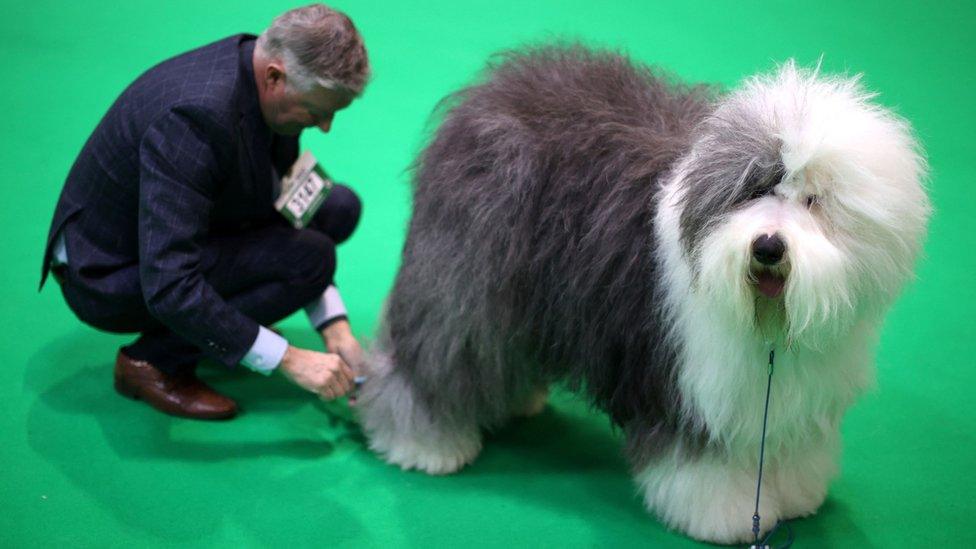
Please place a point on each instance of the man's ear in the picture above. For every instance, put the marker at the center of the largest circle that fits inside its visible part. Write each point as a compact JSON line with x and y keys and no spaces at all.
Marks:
{"x":274,"y":75}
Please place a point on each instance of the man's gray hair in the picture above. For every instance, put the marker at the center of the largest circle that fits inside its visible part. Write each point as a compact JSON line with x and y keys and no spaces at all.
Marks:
{"x":318,"y":46}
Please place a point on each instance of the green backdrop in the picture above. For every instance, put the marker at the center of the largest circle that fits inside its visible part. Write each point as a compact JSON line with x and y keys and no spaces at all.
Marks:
{"x":84,"y":467}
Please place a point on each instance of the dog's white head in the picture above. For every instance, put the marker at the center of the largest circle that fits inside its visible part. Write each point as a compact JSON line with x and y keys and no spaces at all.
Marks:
{"x":802,"y":205}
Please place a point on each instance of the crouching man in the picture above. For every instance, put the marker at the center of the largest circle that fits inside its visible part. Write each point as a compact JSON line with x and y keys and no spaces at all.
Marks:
{"x":166,"y":224}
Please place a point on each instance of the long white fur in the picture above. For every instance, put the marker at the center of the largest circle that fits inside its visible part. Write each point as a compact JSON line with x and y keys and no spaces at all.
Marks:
{"x":848,"y":256}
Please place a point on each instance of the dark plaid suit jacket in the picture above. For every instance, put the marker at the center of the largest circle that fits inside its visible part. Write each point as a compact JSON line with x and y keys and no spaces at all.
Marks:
{"x":182,"y":155}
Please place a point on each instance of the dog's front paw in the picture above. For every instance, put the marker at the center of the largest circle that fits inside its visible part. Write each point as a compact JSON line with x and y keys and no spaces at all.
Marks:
{"x":706,"y":500}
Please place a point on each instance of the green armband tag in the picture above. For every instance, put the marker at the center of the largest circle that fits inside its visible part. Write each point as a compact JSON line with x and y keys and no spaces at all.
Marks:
{"x":303,"y":190}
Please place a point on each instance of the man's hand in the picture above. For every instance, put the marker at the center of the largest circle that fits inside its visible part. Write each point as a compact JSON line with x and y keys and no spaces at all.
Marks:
{"x":338,"y":338}
{"x":325,"y":374}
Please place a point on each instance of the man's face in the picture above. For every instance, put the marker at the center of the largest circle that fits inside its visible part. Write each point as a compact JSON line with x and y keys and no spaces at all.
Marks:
{"x":288,"y":111}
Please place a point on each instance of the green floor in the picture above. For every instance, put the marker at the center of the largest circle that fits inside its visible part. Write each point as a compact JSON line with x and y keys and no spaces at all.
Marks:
{"x":81,"y":467}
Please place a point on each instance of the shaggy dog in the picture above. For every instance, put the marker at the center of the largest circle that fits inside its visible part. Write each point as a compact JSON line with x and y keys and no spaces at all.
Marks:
{"x":579,"y":217}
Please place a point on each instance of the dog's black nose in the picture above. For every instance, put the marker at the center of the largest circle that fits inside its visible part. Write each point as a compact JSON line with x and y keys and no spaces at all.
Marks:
{"x":768,"y":249}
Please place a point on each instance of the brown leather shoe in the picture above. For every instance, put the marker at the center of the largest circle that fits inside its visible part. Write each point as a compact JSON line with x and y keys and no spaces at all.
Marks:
{"x":181,"y":395}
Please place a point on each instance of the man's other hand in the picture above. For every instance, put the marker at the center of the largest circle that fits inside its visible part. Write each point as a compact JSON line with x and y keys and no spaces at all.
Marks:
{"x":338,"y":338}
{"x":325,"y":374}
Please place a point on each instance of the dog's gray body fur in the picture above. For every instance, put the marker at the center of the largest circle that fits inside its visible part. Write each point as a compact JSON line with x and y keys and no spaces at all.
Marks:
{"x":530,"y":254}
{"x":581,"y":218}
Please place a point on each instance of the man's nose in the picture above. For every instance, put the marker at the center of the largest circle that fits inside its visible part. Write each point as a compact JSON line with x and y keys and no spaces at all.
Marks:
{"x":325,"y":124}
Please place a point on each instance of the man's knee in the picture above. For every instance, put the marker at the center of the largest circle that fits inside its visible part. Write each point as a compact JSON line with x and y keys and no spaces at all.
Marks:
{"x":340,"y":214}
{"x":315,"y":266}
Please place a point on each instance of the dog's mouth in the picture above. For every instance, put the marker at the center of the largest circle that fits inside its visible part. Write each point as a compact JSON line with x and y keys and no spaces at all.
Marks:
{"x":769,"y":283}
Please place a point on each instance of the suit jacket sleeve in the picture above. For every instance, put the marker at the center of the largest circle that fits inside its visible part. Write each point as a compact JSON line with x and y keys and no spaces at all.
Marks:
{"x":179,"y":164}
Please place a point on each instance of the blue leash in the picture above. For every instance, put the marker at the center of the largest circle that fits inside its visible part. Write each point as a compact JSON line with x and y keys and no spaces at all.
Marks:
{"x":764,"y":544}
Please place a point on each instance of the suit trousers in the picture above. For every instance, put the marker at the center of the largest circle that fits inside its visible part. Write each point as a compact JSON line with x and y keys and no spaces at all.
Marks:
{"x":267,"y":273}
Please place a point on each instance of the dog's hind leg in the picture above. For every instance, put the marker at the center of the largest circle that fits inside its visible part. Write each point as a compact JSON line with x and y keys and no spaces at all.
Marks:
{"x":406,"y":433}
{"x":429,"y":430}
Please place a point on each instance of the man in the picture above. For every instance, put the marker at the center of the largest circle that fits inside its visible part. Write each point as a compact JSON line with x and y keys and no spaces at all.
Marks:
{"x":166,"y":224}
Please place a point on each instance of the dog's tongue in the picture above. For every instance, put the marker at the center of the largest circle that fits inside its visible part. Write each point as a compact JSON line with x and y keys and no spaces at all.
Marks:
{"x":770,"y":285}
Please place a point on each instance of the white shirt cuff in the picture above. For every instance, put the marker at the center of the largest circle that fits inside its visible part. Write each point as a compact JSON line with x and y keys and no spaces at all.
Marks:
{"x":327,"y":307}
{"x":266,"y":353}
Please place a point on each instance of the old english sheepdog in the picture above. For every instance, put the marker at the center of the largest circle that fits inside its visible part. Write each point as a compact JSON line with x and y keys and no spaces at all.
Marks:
{"x":579,"y":217}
